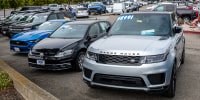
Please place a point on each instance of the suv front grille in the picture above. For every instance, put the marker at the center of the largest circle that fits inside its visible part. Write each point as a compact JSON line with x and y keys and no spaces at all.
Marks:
{"x":117,"y":80}
{"x":46,"y":52}
{"x":119,"y":60}
{"x":19,"y":43}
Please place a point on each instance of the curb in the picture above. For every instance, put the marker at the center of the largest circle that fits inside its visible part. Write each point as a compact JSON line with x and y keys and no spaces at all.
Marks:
{"x":191,"y":32}
{"x":28,"y":89}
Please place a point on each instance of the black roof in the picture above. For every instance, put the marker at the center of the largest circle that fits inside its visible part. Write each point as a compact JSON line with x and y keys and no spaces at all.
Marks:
{"x":85,"y":22}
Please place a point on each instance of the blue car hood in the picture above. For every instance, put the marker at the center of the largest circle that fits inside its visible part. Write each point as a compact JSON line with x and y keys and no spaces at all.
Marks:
{"x":95,"y":7}
{"x":31,"y":35}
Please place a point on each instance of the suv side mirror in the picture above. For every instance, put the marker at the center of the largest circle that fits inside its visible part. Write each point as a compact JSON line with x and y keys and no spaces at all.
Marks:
{"x":177,"y":29}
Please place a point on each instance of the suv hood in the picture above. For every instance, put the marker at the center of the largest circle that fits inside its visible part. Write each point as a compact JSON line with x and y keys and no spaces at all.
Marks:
{"x":54,"y":43}
{"x":140,"y":45}
{"x":31,"y":35}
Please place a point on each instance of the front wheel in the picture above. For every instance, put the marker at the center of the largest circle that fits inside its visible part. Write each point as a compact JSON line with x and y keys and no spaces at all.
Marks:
{"x":79,"y":61}
{"x":170,"y":92}
{"x":100,"y":12}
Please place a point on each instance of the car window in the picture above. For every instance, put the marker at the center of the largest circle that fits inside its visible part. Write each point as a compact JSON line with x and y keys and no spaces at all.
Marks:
{"x":70,"y":31}
{"x":94,"y":30}
{"x":142,"y":24}
{"x":169,"y":8}
{"x":38,"y":18}
{"x":52,"y":25}
{"x":160,"y":8}
{"x":52,"y":16}
{"x":60,"y":16}
{"x":104,"y":26}
{"x":69,"y":14}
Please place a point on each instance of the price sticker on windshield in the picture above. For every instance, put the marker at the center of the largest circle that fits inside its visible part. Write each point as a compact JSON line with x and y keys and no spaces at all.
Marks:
{"x":127,"y":17}
{"x":148,"y":32}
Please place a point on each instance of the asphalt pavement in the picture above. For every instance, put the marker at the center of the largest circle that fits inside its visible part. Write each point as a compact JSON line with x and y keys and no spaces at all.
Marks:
{"x":68,"y":85}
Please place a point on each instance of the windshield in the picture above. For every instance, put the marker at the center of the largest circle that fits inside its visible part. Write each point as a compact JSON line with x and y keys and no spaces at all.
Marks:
{"x":53,"y":5}
{"x":50,"y":25}
{"x":141,"y":24}
{"x":38,"y":18}
{"x":70,"y":31}
{"x":95,"y":4}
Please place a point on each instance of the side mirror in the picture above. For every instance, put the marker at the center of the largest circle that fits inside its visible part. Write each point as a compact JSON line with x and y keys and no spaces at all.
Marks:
{"x":108,"y":29}
{"x":177,"y":29}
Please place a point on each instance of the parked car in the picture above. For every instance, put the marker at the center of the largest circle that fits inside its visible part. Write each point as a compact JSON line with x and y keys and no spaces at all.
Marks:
{"x":23,"y":42}
{"x":97,"y":7}
{"x":28,"y":8}
{"x":118,"y":8}
{"x":37,"y":20}
{"x":82,"y":12}
{"x":109,"y":8}
{"x":134,"y":7}
{"x":56,"y":7}
{"x":140,"y":52}
{"x":66,"y":47}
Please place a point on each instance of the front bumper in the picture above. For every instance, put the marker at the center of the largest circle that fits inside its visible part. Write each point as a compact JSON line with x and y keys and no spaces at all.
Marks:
{"x":51,"y":63}
{"x":21,"y":49}
{"x":128,"y":77}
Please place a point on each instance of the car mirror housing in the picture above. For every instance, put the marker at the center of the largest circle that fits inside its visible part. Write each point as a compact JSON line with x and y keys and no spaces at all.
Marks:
{"x":177,"y":29}
{"x":108,"y":29}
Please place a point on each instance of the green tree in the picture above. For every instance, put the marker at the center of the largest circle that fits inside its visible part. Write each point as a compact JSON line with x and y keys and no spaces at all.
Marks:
{"x":4,"y":4}
{"x":15,"y":3}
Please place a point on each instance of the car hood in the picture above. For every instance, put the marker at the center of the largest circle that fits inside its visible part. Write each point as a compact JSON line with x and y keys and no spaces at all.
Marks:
{"x":141,"y":45}
{"x":54,"y":43}
{"x":31,"y":35}
{"x":27,"y":24}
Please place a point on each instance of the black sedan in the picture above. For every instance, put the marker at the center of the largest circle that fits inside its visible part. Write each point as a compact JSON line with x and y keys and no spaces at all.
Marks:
{"x":66,"y":47}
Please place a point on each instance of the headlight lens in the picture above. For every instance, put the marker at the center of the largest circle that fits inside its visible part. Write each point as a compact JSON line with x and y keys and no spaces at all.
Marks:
{"x":154,"y":58}
{"x":64,"y":53}
{"x":25,"y":29}
{"x":91,"y":56}
{"x":35,"y":41}
{"x":30,"y":53}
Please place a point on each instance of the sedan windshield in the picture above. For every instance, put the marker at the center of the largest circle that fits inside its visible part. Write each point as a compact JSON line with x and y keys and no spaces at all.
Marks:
{"x":95,"y":4}
{"x":50,"y":25}
{"x":70,"y":31}
{"x":141,"y":24}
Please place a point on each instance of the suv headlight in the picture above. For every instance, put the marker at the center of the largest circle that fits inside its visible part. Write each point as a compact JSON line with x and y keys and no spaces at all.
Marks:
{"x":25,"y":29}
{"x":91,"y":55}
{"x":64,"y":53}
{"x":154,"y":58}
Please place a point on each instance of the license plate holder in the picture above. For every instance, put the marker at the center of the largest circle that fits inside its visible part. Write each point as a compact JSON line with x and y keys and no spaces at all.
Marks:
{"x":16,"y":49}
{"x":41,"y":62}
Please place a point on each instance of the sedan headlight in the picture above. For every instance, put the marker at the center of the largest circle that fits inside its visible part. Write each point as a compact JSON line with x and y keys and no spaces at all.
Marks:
{"x":154,"y":58}
{"x":91,"y":56}
{"x":25,"y":29}
{"x":64,"y":53}
{"x":35,"y":41}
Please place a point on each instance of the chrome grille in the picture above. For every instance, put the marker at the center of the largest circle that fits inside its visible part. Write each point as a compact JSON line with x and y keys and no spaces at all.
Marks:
{"x":118,"y":59}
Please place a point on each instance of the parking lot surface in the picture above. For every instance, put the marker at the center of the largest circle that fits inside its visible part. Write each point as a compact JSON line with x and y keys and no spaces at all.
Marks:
{"x":68,"y":85}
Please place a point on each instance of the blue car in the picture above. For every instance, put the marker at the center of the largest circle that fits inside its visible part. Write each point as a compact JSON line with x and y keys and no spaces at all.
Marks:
{"x":24,"y":41}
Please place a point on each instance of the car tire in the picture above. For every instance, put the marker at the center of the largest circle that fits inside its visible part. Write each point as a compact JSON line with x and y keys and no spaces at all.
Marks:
{"x":183,"y":56}
{"x":100,"y":12}
{"x":170,"y":92}
{"x":186,"y":19}
{"x":89,"y":13}
{"x":79,"y":61}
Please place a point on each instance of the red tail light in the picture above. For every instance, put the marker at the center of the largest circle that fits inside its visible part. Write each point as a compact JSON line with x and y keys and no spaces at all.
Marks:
{"x":190,"y":7}
{"x":197,"y":13}
{"x":77,"y":12}
{"x":87,"y":11}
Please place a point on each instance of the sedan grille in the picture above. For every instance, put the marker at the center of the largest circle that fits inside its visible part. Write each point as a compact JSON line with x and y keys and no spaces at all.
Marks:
{"x":46,"y":52}
{"x":20,"y":43}
{"x":119,"y":60}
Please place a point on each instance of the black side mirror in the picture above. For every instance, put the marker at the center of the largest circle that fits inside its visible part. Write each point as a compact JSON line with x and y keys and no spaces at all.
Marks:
{"x":177,"y":29}
{"x":108,"y":29}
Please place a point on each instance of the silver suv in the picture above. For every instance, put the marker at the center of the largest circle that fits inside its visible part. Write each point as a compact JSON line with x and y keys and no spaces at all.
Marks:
{"x":142,"y":51}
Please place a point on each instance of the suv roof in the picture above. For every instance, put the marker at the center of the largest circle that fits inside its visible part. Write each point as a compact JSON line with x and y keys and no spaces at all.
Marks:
{"x":85,"y":22}
{"x":151,"y":12}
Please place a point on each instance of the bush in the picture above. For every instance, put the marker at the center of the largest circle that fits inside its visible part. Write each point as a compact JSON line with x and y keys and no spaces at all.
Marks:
{"x":5,"y":81}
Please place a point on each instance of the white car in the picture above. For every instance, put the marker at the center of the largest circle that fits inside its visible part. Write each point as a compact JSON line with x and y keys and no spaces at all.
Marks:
{"x":109,"y":8}
{"x":82,"y":12}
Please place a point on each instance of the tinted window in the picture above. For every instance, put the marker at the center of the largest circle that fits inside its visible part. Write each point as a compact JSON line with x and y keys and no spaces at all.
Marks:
{"x":50,"y":25}
{"x":68,"y":14}
{"x":169,"y":8}
{"x":141,"y":24}
{"x":52,"y":16}
{"x":60,"y":16}
{"x":94,"y":30}
{"x":70,"y":31}
{"x":104,"y":26}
